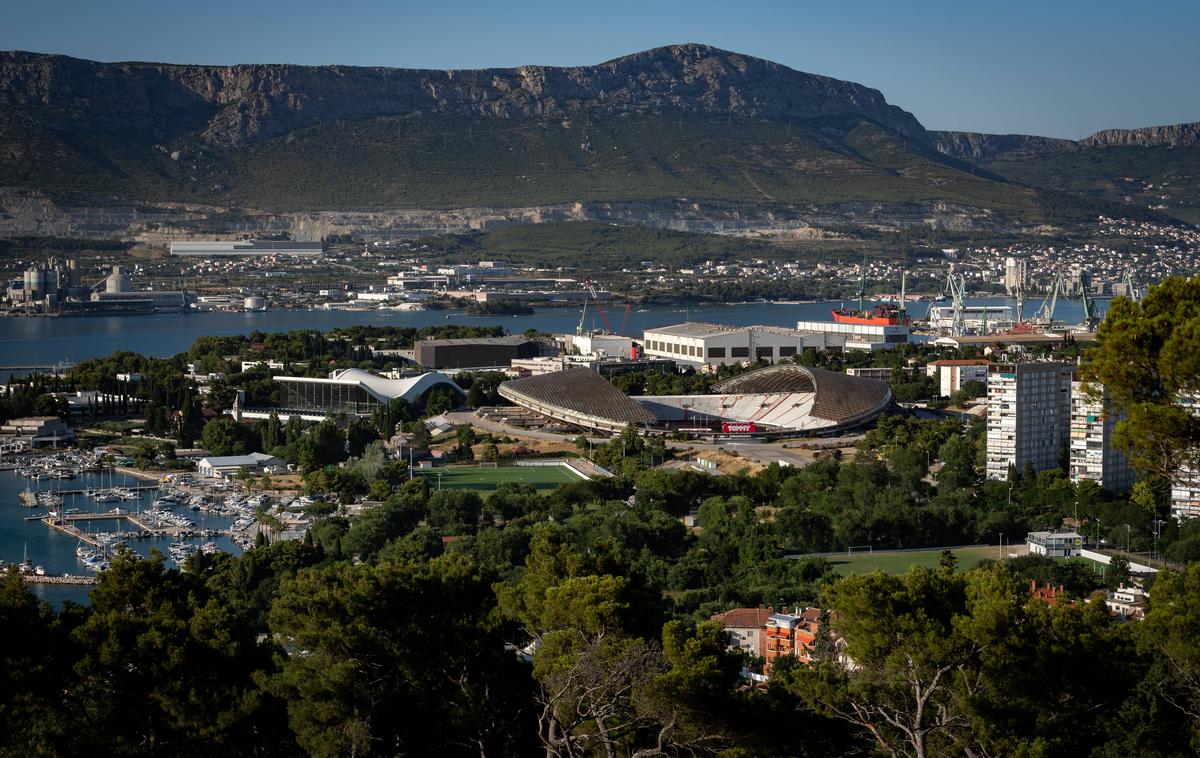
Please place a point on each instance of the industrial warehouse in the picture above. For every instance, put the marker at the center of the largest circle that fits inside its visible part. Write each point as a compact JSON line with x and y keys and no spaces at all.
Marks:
{"x":222,"y":248}
{"x":776,"y":401}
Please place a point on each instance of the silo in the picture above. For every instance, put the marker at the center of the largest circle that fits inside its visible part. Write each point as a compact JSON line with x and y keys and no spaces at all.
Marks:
{"x":118,"y":281}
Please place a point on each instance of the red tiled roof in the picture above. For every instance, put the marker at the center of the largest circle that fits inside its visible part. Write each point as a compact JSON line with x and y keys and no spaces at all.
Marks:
{"x":744,"y":618}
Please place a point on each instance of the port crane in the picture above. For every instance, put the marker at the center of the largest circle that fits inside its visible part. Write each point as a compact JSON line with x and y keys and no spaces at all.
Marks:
{"x":1090,"y":318}
{"x":1130,"y":291}
{"x":1045,"y":314}
{"x":956,"y":290}
{"x":595,"y":298}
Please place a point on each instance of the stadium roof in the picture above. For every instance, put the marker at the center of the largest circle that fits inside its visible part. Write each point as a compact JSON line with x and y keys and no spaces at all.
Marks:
{"x":838,"y":398}
{"x":579,"y":396}
{"x":382,"y":388}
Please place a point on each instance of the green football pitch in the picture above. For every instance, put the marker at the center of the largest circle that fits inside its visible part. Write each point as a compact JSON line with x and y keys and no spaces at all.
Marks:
{"x":487,"y":478}
{"x":900,"y":561}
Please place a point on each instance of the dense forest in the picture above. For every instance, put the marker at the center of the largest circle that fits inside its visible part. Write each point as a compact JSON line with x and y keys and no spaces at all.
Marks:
{"x":578,"y":622}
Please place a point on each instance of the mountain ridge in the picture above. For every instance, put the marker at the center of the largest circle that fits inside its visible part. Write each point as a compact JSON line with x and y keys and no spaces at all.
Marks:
{"x":982,"y":146}
{"x":683,"y":134}
{"x":245,"y":103}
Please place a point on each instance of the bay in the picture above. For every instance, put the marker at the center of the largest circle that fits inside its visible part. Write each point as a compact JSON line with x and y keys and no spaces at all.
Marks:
{"x":44,"y":341}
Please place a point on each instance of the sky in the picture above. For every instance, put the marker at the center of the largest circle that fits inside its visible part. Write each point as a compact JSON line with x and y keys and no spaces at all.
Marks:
{"x":1058,"y":68}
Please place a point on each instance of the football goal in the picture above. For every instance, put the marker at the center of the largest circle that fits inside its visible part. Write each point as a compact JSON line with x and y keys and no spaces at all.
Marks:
{"x":860,"y":549}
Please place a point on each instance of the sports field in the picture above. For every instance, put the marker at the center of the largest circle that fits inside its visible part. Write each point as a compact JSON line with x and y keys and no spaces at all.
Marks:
{"x":487,"y":478}
{"x":899,"y":561}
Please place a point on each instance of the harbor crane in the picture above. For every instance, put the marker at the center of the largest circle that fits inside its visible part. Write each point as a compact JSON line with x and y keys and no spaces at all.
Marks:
{"x":1090,"y":318}
{"x":1045,"y":314}
{"x":956,"y":289}
{"x":595,"y":298}
{"x":1130,"y":290}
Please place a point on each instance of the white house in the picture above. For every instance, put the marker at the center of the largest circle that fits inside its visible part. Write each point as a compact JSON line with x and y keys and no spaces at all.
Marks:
{"x":1055,"y":544}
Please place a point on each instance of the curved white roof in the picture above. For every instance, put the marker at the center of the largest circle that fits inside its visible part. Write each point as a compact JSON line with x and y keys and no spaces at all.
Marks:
{"x":383,"y":389}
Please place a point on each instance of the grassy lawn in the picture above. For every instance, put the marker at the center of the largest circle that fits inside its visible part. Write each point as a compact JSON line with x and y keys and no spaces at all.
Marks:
{"x":899,"y":561}
{"x":486,"y":478}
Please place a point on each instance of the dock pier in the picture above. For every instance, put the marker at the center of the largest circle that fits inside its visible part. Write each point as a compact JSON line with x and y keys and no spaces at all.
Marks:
{"x":74,"y":531}
{"x":61,"y":579}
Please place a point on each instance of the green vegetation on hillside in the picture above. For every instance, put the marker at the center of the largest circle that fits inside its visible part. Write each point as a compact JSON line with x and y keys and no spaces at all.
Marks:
{"x":437,"y":161}
{"x":600,"y":245}
{"x":1148,"y":176}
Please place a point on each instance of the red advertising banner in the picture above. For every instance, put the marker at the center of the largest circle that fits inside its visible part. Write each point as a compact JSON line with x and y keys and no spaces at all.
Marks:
{"x":738,"y":427}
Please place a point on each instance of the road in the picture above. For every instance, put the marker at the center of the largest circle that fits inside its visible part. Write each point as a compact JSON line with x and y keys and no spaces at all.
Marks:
{"x":761,"y":452}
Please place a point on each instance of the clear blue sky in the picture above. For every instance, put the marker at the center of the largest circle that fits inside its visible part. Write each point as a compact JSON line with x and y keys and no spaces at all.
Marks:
{"x":1056,"y":68}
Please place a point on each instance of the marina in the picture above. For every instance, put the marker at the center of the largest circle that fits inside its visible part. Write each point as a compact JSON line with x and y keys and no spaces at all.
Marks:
{"x":62,"y":550}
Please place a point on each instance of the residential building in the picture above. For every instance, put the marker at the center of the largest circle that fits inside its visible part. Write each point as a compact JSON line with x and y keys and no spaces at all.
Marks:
{"x":1127,"y":603}
{"x":1014,"y":275}
{"x":745,"y":627}
{"x":1185,"y":485}
{"x":1055,"y":544}
{"x":1029,"y":414}
{"x":1049,"y":594}
{"x":1092,"y":455}
{"x":1185,"y":495}
{"x":953,"y":374}
{"x":788,"y":634}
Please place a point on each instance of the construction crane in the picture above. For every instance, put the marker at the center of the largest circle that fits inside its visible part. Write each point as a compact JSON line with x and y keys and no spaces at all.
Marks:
{"x":596,"y":302}
{"x":625,"y":318}
{"x":582,"y":318}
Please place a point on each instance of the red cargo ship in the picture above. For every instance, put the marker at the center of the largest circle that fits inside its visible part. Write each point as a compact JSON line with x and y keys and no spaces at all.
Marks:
{"x":884,"y":314}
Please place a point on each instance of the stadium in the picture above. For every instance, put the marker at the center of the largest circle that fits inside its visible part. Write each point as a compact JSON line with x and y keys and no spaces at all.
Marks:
{"x":776,"y":401}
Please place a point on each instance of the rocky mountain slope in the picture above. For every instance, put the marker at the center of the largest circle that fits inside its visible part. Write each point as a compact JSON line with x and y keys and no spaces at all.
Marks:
{"x":975,"y":146}
{"x":686,"y":136}
{"x":236,"y":105}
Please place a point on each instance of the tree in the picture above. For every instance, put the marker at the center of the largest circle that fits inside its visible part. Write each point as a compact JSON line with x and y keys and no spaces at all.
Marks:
{"x":224,"y":436}
{"x":367,"y":657}
{"x":1172,"y":633}
{"x":167,"y":665}
{"x":908,"y":656}
{"x":359,"y":434}
{"x":455,"y":511}
{"x":1147,"y":362}
{"x":321,"y":445}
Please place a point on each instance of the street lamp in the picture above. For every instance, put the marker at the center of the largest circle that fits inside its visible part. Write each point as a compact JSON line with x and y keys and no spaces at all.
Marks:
{"x":1001,"y":545}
